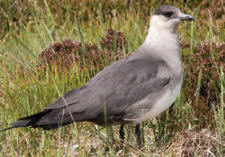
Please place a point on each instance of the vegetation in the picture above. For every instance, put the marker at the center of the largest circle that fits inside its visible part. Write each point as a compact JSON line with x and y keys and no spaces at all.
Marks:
{"x":50,"y":47}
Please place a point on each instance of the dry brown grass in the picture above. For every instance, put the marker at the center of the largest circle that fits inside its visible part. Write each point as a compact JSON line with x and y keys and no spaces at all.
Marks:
{"x":191,"y":143}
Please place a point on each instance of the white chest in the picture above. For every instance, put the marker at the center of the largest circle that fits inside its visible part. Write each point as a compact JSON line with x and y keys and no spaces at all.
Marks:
{"x":162,"y":104}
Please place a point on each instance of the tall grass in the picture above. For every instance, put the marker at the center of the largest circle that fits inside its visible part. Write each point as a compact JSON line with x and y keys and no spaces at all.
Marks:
{"x":25,"y":89}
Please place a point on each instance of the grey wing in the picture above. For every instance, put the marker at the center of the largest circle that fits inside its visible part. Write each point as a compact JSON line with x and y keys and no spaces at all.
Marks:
{"x":114,"y":91}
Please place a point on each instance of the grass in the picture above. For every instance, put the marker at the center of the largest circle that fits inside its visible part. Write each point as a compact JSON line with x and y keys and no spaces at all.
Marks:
{"x":190,"y":127}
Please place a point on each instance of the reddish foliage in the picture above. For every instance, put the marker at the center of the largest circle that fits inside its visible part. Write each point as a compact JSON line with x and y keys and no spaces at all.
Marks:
{"x":109,"y":40}
{"x":64,"y":55}
{"x":208,"y":59}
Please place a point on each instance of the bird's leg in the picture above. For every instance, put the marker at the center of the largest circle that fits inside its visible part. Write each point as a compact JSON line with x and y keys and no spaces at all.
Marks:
{"x":138,"y":135}
{"x":121,"y":131}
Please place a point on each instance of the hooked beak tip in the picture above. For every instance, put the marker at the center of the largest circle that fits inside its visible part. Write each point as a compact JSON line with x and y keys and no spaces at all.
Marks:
{"x":185,"y":17}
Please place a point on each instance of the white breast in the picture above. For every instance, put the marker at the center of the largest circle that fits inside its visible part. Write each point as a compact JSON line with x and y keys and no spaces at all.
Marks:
{"x":162,"y":104}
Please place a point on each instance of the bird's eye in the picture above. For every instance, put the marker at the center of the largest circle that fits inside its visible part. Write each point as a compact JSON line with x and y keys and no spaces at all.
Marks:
{"x":168,"y":14}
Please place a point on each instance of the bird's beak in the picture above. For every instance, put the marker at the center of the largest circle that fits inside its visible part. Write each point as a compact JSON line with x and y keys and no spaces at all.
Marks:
{"x":185,"y":17}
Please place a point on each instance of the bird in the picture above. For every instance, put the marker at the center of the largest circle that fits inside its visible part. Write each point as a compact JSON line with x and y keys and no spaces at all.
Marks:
{"x":131,"y":90}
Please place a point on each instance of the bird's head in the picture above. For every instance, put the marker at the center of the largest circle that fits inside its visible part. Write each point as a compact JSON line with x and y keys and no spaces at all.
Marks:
{"x":167,"y":18}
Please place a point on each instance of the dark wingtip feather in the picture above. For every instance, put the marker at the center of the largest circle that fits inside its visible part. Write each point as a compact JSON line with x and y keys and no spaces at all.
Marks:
{"x":21,"y":123}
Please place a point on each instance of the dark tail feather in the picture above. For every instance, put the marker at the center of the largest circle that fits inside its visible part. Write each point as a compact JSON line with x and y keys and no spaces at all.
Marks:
{"x":3,"y":130}
{"x":27,"y":121}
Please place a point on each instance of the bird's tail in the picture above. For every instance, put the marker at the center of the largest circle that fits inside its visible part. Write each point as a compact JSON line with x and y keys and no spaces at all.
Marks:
{"x":28,"y":121}
{"x":3,"y":130}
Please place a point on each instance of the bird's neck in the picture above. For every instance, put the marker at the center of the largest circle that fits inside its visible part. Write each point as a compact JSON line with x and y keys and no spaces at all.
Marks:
{"x":162,"y":38}
{"x":165,"y":41}
{"x":165,"y":44}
